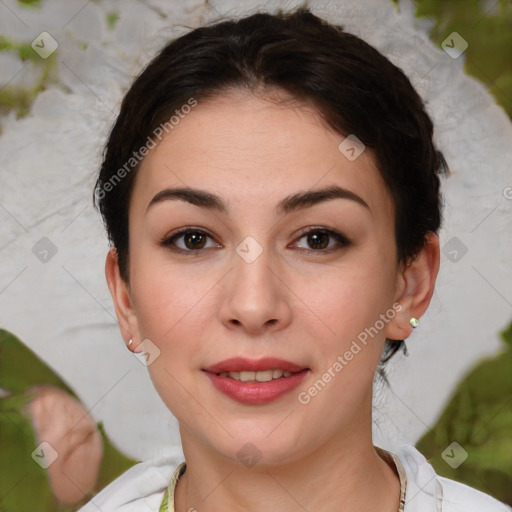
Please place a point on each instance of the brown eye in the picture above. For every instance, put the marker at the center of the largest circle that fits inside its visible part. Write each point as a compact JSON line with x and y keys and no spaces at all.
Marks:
{"x":318,"y":240}
{"x":187,"y":241}
{"x":194,"y":240}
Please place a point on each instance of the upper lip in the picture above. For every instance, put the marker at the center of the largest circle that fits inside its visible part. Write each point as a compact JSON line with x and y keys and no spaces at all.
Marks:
{"x":239,"y":364}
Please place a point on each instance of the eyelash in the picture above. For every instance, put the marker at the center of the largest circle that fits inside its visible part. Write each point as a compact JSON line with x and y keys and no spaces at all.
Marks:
{"x":342,"y":240}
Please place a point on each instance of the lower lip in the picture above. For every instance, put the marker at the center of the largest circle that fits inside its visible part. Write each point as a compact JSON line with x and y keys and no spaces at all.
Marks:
{"x":255,"y":393}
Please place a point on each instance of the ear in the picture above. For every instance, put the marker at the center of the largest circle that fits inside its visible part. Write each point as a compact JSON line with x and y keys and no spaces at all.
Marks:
{"x":415,"y":287}
{"x":121,"y":295}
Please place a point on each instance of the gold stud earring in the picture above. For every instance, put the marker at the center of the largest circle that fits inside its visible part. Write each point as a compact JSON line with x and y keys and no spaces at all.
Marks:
{"x":414,"y":322}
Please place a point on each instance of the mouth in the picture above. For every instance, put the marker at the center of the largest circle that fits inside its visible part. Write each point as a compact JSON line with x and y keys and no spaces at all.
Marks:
{"x":259,"y":376}
{"x":256,"y":381}
{"x":266,"y":368}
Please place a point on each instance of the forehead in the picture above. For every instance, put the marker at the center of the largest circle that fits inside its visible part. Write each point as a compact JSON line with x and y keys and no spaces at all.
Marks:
{"x":252,"y":151}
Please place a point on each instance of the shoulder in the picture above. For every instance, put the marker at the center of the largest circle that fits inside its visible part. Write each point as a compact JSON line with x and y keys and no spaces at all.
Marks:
{"x":426,"y":490}
{"x":139,"y":489}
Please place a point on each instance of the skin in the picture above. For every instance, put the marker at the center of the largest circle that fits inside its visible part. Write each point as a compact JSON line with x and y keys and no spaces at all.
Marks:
{"x":62,"y":421}
{"x":305,"y":307}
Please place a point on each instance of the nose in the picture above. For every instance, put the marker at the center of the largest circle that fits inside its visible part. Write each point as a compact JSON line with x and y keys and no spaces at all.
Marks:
{"x":255,"y":295}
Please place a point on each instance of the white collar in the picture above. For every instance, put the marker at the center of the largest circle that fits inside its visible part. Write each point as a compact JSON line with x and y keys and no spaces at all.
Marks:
{"x":424,"y":491}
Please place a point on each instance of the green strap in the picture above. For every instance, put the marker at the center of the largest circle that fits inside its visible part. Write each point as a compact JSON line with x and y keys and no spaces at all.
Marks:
{"x":167,"y":504}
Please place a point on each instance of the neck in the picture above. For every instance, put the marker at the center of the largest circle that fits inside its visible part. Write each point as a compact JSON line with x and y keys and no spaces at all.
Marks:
{"x":343,"y":474}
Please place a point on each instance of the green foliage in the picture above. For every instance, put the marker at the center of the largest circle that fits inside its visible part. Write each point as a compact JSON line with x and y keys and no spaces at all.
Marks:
{"x":506,"y":335}
{"x":20,"y":99}
{"x":112,"y":18}
{"x":23,"y":50}
{"x":479,"y":414}
{"x":24,"y":484}
{"x":20,"y":368}
{"x":30,"y":3}
{"x":488,"y":32}
{"x":479,"y":418}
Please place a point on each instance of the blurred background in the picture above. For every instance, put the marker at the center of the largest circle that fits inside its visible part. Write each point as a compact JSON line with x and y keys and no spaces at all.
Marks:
{"x":64,"y":66}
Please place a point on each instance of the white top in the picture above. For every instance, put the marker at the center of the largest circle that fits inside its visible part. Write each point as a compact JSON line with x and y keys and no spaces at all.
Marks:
{"x":142,"y":487}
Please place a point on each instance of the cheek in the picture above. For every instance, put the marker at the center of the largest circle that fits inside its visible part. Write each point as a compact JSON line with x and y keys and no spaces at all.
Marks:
{"x":174,"y":305}
{"x":165,"y":294}
{"x":354,"y":304}
{"x":169,"y":306}
{"x":353,"y":296}
{"x":350,"y":306}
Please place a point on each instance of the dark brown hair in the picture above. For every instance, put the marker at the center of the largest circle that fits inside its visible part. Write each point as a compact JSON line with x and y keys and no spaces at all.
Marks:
{"x":351,"y":85}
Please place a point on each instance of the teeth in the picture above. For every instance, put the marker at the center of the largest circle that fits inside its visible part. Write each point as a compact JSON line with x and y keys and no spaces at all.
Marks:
{"x":247,"y":376}
{"x":260,"y":376}
{"x":276,"y":374}
{"x":264,"y":376}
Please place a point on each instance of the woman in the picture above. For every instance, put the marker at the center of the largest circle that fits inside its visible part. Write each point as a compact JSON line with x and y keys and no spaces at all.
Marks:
{"x":271,"y":193}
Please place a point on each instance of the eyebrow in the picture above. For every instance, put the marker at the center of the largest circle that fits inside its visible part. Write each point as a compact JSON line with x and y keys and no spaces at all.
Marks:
{"x":291,"y":203}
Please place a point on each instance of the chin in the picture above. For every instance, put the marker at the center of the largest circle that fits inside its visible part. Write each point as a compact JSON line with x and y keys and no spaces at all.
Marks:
{"x":257,"y":447}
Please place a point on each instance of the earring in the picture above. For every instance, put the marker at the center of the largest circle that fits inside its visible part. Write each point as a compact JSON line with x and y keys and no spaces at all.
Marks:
{"x":130,"y":342}
{"x":414,"y":322}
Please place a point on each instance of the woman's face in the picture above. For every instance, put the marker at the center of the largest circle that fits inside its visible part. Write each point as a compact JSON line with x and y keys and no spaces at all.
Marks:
{"x":252,"y":284}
